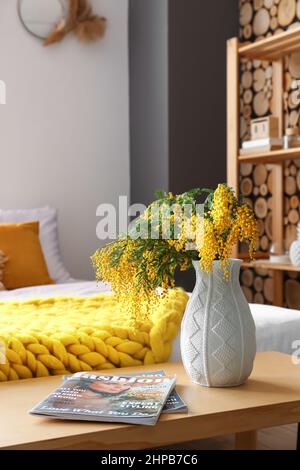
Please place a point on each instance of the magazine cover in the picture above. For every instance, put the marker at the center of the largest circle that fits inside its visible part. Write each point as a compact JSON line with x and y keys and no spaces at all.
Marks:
{"x":174,"y":403}
{"x":123,"y":399}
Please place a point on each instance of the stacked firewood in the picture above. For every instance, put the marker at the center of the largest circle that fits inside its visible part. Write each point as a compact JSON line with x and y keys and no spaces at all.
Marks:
{"x":256,"y":92}
{"x":258,"y":286}
{"x":263,"y":18}
{"x":256,"y":185}
{"x":260,"y":19}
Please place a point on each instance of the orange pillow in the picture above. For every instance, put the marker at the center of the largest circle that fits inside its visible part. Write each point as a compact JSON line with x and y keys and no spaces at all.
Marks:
{"x":26,"y":265}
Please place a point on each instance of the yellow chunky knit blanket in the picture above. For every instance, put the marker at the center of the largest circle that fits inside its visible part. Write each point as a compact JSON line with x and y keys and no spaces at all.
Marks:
{"x":69,"y":334}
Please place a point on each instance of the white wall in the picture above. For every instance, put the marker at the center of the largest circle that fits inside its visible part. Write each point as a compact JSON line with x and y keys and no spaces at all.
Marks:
{"x":64,"y":132}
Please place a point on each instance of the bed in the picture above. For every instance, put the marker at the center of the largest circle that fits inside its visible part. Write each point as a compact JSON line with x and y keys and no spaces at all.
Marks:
{"x":277,"y":328}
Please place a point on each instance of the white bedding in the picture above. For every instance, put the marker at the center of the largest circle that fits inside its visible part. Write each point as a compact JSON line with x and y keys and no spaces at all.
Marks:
{"x":276,"y":328}
{"x":80,"y":288}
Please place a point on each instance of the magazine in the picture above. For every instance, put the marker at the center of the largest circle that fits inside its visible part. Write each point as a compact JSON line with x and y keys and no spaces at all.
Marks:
{"x":123,"y":399}
{"x":174,"y":403}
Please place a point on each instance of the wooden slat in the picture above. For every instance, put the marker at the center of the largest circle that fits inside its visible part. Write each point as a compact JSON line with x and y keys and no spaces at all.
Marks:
{"x":275,"y":156}
{"x":232,"y":118}
{"x":278,"y":70}
{"x":277,"y":216}
{"x":232,"y":113}
{"x":277,"y":229}
{"x":270,"y":265}
{"x":272,"y":48}
{"x":278,"y":288}
{"x":277,"y":212}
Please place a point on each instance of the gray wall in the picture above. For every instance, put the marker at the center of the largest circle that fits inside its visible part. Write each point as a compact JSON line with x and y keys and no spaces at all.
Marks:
{"x":178,"y":95}
{"x":148,"y":38}
{"x":198,"y":31}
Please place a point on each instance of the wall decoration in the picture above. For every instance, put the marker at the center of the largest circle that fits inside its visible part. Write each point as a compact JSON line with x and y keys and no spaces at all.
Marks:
{"x":52,"y":20}
{"x":40,"y":17}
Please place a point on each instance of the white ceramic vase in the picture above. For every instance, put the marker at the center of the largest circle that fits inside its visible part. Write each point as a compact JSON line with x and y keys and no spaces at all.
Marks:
{"x":218,"y":343}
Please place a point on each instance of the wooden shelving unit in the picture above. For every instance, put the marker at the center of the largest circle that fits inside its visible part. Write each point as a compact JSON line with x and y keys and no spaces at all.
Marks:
{"x":272,"y":49}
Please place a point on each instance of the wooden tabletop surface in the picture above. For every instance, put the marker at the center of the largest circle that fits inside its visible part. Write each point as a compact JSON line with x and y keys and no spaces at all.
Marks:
{"x":270,"y":397}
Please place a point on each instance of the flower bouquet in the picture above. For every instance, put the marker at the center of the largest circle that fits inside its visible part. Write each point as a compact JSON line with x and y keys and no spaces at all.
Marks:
{"x":218,"y":342}
{"x":173,"y":232}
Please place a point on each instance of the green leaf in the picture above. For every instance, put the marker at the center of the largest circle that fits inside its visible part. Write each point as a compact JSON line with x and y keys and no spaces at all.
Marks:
{"x":160,"y":194}
{"x":208,"y":204}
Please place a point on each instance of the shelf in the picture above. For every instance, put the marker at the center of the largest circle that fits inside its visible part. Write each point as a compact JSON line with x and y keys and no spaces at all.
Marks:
{"x":272,"y":48}
{"x":274,"y":156}
{"x":265,"y":264}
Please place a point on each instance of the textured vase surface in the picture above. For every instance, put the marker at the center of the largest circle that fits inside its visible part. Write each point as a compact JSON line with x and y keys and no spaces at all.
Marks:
{"x":218,"y":342}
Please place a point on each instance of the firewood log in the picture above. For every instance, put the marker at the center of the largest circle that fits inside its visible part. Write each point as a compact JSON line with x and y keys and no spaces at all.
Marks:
{"x":261,"y":208}
{"x":246,"y":186}
{"x":264,"y":243}
{"x":258,"y":298}
{"x":260,"y":104}
{"x":248,"y":293}
{"x":263,"y":189}
{"x":269,"y":290}
{"x":246,"y":13}
{"x":286,"y":12}
{"x":248,"y":97}
{"x":261,"y":22}
{"x":261,"y":272}
{"x":247,"y":277}
{"x":294,"y":65}
{"x":294,"y":202}
{"x":259,"y":78}
{"x":293,"y":216}
{"x":246,"y":169}
{"x":260,"y":174}
{"x":290,"y":185}
{"x":258,"y":284}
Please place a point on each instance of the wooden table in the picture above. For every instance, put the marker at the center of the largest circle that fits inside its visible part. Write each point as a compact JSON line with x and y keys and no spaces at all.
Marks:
{"x":271,"y":397}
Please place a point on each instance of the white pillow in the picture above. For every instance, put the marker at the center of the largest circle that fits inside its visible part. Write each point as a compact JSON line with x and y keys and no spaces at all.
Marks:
{"x":47,"y":216}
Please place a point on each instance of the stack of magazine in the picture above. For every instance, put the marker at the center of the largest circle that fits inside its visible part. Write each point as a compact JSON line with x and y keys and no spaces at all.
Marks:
{"x":135,"y":399}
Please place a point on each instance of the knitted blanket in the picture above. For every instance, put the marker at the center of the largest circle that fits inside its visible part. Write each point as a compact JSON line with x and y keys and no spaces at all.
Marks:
{"x":69,"y":334}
